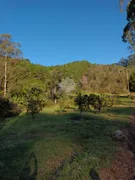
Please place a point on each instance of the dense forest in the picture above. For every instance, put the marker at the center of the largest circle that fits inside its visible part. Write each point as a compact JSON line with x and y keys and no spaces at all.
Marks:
{"x":72,"y":77}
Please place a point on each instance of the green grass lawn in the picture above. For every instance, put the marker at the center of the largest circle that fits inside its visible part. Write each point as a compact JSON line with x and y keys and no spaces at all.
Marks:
{"x":52,"y":146}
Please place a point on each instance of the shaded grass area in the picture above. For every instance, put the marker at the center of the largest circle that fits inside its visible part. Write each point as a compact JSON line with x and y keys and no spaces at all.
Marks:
{"x":121,"y":111}
{"x":125,"y":101}
{"x":55,"y":146}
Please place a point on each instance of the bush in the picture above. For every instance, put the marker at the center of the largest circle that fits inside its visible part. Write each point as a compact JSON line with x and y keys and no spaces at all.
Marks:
{"x":96,"y":101}
{"x":85,"y":102}
{"x":8,"y":109}
{"x":79,"y":102}
{"x":34,"y":101}
{"x":82,"y":101}
{"x":34,"y":106}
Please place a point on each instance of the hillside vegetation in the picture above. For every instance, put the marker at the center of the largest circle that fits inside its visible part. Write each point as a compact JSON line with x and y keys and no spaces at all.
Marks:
{"x":22,"y":74}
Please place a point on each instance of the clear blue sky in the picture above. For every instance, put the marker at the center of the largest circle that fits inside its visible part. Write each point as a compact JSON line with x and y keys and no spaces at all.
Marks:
{"x":60,"y":31}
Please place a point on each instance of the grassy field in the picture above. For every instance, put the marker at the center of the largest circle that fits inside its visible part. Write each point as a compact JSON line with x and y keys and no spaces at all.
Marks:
{"x":58,"y":146}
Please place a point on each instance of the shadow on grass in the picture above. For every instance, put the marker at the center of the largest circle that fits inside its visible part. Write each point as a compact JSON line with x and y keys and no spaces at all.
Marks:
{"x":121,"y":111}
{"x":93,"y":134}
{"x":94,"y":175}
{"x":12,"y":161}
{"x":27,"y":170}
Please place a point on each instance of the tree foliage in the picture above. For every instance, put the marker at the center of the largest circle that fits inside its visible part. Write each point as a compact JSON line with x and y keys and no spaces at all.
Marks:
{"x":8,"y":49}
{"x":86,"y":102}
{"x":132,"y":82}
{"x":127,"y":62}
{"x":129,"y":29}
{"x":34,"y":101}
{"x":67,"y":85}
{"x":95,"y":78}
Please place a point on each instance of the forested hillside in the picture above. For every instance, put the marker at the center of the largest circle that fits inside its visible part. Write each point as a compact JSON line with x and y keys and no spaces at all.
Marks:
{"x":22,"y":74}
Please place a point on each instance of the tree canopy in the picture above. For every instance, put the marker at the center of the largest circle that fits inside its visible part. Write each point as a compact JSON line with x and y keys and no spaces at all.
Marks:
{"x":129,"y":29}
{"x":8,"y":48}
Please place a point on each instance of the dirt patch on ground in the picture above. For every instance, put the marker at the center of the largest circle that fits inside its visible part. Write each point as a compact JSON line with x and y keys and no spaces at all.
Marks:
{"x":123,"y":166}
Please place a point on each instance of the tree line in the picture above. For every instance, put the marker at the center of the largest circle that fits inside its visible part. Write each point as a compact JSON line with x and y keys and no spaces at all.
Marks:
{"x":17,"y":75}
{"x":32,"y":85}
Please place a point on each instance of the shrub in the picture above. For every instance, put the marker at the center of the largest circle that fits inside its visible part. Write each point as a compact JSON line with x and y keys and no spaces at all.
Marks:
{"x":8,"y":109}
{"x":34,"y":101}
{"x":34,"y":106}
{"x":79,"y":102}
{"x":85,"y":102}
{"x":96,"y":102}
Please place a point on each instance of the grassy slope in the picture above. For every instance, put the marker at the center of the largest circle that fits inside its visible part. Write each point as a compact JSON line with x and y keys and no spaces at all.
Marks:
{"x":54,"y":147}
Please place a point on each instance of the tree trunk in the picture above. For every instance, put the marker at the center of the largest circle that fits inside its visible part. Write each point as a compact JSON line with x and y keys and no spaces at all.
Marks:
{"x":55,"y":101}
{"x":5,"y":77}
{"x":81,"y":115}
{"x":127,"y":81}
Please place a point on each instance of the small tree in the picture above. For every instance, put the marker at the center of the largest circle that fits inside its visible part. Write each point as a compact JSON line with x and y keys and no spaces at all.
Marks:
{"x":55,"y":78}
{"x":82,"y":101}
{"x":8,"y":49}
{"x":96,"y":101}
{"x":34,"y":100}
{"x":79,"y":103}
{"x":34,"y":106}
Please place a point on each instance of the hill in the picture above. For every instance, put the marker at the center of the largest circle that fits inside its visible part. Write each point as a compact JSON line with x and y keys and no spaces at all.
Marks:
{"x":86,"y":76}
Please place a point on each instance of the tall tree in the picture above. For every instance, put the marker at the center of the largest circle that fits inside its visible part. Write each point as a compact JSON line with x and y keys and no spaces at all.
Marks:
{"x":131,"y":60}
{"x":125,"y":63}
{"x":129,"y":30}
{"x":8,"y":49}
{"x":132,"y":82}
